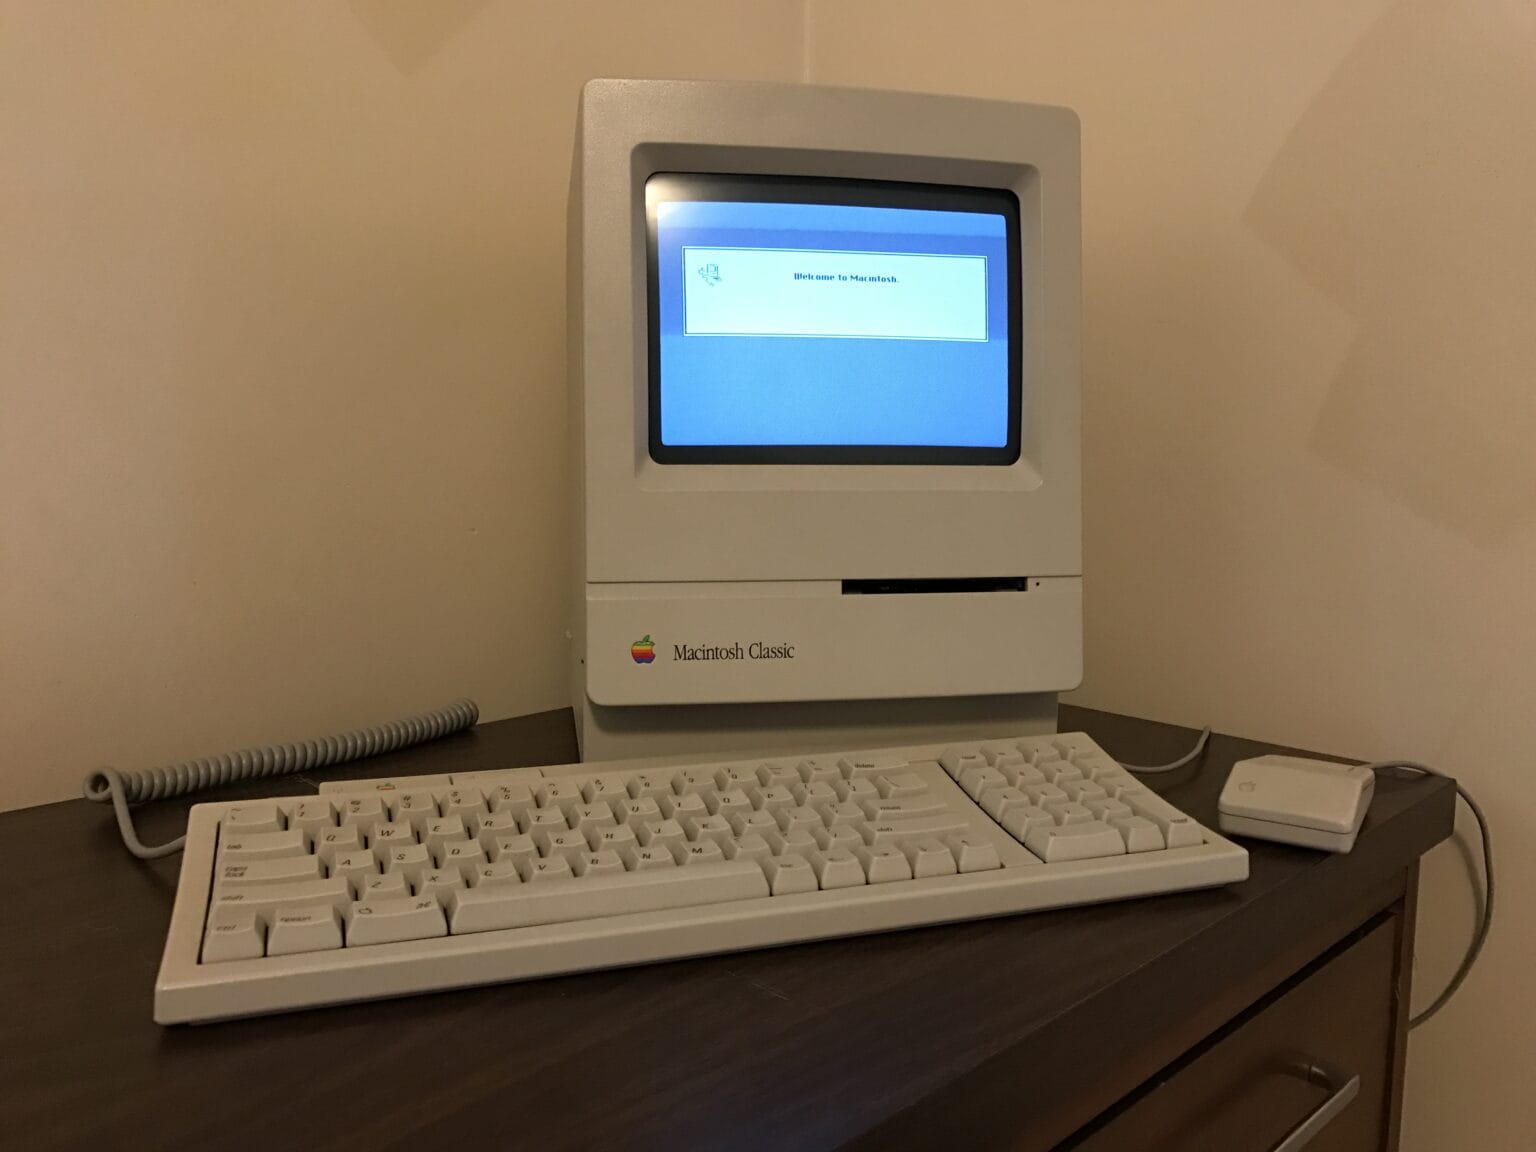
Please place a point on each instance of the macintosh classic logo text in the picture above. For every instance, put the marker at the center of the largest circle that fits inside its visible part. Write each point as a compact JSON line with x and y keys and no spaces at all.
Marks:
{"x":643,"y":651}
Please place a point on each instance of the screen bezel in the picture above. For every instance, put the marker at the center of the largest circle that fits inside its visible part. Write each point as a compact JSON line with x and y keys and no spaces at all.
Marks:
{"x":663,"y":187}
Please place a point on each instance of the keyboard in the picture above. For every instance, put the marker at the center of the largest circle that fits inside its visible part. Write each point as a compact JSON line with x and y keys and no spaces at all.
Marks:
{"x":390,"y":887}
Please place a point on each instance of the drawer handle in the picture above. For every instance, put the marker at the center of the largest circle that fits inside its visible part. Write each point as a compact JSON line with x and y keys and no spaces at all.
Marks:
{"x":1341,"y":1091}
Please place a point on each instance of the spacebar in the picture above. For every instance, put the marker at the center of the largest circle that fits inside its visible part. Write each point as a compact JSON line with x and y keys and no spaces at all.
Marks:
{"x":591,"y":897}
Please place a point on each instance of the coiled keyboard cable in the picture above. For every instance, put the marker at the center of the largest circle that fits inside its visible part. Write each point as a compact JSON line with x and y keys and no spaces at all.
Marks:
{"x":124,"y":788}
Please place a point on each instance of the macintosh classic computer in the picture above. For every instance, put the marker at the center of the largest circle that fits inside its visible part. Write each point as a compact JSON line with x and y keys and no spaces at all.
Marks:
{"x":824,"y":382}
{"x":823,"y":374}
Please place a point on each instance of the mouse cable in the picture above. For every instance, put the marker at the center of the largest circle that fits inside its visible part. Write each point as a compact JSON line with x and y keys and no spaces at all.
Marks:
{"x":125,"y":788}
{"x":1485,"y":920}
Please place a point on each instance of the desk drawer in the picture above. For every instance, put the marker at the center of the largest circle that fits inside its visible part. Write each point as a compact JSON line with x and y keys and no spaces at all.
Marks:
{"x":1246,"y":1093}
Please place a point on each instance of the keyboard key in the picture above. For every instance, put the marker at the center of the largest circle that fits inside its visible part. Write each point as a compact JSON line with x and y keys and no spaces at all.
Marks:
{"x":702,"y":852}
{"x":857,"y":790}
{"x":868,"y":765}
{"x":444,"y":829}
{"x":1178,"y":830}
{"x":617,"y":840}
{"x":1083,"y":790}
{"x":464,"y":855}
{"x":819,"y":770}
{"x":488,"y":827}
{"x":607,"y":790}
{"x":956,"y":760}
{"x":838,"y":836}
{"x":1058,"y":772}
{"x":463,"y":802}
{"x":410,"y":861}
{"x":1074,"y":842}
{"x":680,"y":808}
{"x":648,"y":785}
{"x":649,"y":859}
{"x":976,"y":781}
{"x":543,"y":871}
{"x":776,"y":774}
{"x":1022,"y":776}
{"x":604,"y":863}
{"x":515,"y":800}
{"x":255,"y":817}
{"x":774,"y":797}
{"x":904,"y":831}
{"x":900,"y":785}
{"x":1139,"y":833}
{"x":756,"y":821}
{"x":792,"y":818}
{"x":389,"y":886}
{"x":362,"y":812}
{"x":243,"y":847}
{"x":269,"y":871}
{"x":514,"y":850}
{"x":811,"y":795}
{"x":735,"y":776}
{"x":691,"y":781}
{"x":390,"y":921}
{"x":1021,"y":821}
{"x":881,"y":811}
{"x":1000,"y":800}
{"x":666,"y":834}
{"x":1042,"y":794}
{"x":748,"y":847}
{"x":355,"y":866}
{"x":347,"y":839}
{"x":789,"y":875}
{"x":884,"y":864}
{"x":638,"y":812}
{"x":716,"y":828}
{"x":589,"y":816}
{"x":264,"y":899}
{"x":1074,"y":744}
{"x":1066,"y":812}
{"x":845,"y":813}
{"x":1093,"y":765}
{"x":929,"y":857}
{"x":558,"y":794}
{"x":312,"y":816}
{"x":296,"y":930}
{"x":438,"y":882}
{"x":234,"y":934}
{"x":795,"y":841}
{"x":488,"y":910}
{"x":731,"y":802}
{"x":415,"y":809}
{"x":544,"y":823}
{"x":1107,"y":810}
{"x":837,"y":868}
{"x":972,"y":853}
{"x":497,"y":875}
{"x":567,"y":844}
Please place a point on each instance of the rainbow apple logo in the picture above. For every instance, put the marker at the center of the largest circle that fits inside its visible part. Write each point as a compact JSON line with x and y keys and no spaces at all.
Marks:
{"x":643,"y":650}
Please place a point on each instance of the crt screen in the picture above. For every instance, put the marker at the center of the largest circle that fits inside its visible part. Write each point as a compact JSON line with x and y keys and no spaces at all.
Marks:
{"x":800,"y":325}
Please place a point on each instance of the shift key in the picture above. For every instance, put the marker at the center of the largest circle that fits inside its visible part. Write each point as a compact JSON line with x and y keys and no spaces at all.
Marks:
{"x":902,"y":831}
{"x":265,"y":898}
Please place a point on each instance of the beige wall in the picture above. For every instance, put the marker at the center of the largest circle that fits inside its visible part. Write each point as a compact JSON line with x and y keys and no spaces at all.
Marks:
{"x":282,"y":359}
{"x":1310,"y":403}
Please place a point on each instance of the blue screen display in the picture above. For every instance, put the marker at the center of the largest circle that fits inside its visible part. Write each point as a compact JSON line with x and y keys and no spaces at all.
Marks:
{"x":813,"y":325}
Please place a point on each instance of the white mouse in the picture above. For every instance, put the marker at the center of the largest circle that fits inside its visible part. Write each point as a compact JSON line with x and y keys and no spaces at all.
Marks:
{"x":1314,"y":803}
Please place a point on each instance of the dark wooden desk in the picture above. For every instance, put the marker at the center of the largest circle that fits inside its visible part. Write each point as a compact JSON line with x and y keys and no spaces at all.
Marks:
{"x":1013,"y":1033}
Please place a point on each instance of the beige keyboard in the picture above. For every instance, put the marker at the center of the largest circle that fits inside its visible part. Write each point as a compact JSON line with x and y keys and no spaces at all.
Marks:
{"x":390,"y":887}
